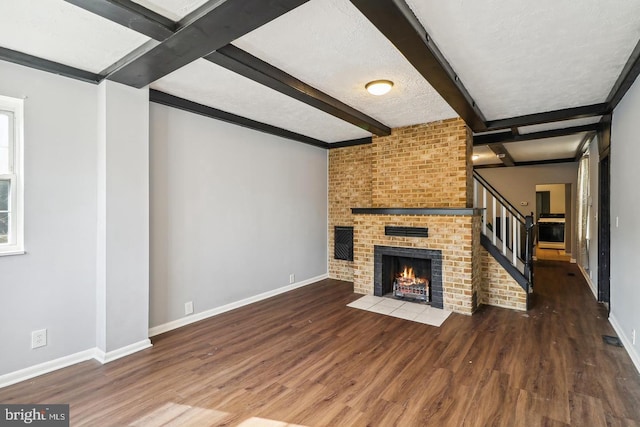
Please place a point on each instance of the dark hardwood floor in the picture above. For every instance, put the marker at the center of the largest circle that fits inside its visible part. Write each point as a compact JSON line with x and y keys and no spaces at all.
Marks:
{"x":305,"y":358}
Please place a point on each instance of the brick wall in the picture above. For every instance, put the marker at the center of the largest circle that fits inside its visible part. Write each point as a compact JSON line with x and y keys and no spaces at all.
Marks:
{"x":451,"y":234}
{"x":498,"y":287}
{"x":349,"y":187}
{"x":423,"y":166}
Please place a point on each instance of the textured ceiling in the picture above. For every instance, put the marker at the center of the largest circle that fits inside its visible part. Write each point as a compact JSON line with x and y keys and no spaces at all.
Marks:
{"x":519,"y":57}
{"x":515,"y":57}
{"x":561,"y":147}
{"x":60,"y":32}
{"x":209,"y":84}
{"x":172,"y":9}
{"x":330,"y":45}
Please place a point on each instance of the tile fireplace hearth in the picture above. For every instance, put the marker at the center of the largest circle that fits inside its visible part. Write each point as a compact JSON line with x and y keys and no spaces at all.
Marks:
{"x":412,"y":311}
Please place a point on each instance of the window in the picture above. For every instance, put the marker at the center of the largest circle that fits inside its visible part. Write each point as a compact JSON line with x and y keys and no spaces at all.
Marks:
{"x":11,"y":185}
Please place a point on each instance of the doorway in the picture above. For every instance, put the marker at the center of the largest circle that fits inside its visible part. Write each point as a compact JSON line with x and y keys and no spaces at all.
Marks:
{"x":551,"y":222}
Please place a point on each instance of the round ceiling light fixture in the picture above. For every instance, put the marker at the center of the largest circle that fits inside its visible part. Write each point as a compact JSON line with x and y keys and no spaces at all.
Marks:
{"x":475,"y":157}
{"x":379,"y":87}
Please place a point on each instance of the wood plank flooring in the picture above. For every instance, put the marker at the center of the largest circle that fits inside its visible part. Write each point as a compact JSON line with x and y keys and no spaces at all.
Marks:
{"x":304,"y":358}
{"x":551,"y":254}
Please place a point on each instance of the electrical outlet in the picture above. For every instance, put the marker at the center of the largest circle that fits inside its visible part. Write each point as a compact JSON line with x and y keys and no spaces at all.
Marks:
{"x":292,"y":278}
{"x":188,"y":307}
{"x":633,"y":337}
{"x":39,"y":338}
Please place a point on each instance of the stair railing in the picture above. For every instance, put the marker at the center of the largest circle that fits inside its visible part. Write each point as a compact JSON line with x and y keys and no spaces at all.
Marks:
{"x":507,"y":229}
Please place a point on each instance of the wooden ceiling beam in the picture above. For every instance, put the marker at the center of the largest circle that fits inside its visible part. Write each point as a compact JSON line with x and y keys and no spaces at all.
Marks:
{"x":247,"y":65}
{"x":218,"y":24}
{"x":549,"y":116}
{"x":349,"y":143}
{"x":530,"y":163}
{"x":501,"y":153}
{"x":627,"y":77}
{"x":48,"y":66}
{"x":193,"y":107}
{"x":508,"y":137}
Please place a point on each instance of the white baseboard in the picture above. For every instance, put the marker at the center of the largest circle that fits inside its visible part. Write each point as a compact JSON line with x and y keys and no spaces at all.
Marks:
{"x":46,"y":367}
{"x":635,"y":357}
{"x":175,"y":324}
{"x":592,"y":286}
{"x":110,"y":356}
{"x":72,"y":359}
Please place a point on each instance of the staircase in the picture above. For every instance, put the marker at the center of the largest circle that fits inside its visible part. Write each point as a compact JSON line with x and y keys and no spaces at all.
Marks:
{"x":505,"y":233}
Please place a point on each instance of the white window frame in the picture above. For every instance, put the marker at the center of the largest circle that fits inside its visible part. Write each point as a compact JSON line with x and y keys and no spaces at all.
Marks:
{"x":15,"y":243}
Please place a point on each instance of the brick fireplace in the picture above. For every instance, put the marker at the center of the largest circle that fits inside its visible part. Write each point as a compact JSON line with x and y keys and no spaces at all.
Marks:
{"x":419,"y":176}
{"x":451,"y":233}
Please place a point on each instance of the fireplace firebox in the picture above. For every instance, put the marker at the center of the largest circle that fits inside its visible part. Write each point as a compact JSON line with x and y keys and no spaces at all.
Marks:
{"x":409,"y":276}
{"x":409,"y":273}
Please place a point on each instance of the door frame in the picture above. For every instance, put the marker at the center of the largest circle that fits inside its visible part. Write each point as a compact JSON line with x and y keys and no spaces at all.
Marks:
{"x":604,"y":215}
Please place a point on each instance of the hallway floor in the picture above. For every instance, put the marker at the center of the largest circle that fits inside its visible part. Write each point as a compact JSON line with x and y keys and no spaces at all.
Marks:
{"x":551,"y":254}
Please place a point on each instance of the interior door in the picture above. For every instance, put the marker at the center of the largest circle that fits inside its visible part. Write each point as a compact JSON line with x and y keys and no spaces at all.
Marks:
{"x":604,"y":233}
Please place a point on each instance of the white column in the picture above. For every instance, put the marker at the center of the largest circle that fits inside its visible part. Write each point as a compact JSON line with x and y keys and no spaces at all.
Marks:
{"x":122,"y":296}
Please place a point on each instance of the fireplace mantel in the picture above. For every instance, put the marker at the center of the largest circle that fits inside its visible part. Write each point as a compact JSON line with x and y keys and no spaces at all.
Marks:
{"x":416,"y":211}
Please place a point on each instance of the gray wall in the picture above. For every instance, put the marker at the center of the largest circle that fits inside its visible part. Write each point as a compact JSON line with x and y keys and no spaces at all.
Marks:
{"x":52,"y":286}
{"x":233,"y":213}
{"x":625,"y":205}
{"x":518,"y":184}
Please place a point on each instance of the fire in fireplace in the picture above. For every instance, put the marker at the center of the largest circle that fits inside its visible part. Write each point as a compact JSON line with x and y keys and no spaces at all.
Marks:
{"x":406,"y":277}
{"x":407,"y":285}
{"x":408,"y":273}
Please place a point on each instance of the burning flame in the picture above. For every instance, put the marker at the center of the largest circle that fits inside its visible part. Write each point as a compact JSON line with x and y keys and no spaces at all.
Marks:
{"x":408,"y":273}
{"x":408,"y":277}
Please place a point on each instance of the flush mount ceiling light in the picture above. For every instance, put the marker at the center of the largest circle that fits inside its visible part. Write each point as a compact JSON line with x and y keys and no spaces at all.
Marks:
{"x":379,"y":87}
{"x":475,"y":157}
